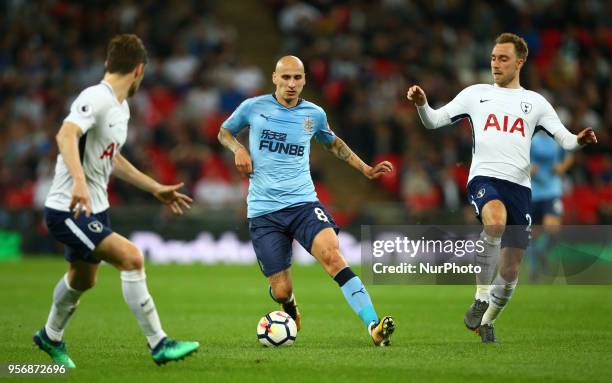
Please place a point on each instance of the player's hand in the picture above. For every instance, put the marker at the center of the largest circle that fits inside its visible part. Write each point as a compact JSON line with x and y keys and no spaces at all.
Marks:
{"x":243,"y":161}
{"x":378,"y":170}
{"x":80,"y":199}
{"x":168,"y":195}
{"x":417,"y":95}
{"x":587,"y":136}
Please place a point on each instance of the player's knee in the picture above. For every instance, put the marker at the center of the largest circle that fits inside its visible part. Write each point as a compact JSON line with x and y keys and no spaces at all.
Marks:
{"x":132,"y":259}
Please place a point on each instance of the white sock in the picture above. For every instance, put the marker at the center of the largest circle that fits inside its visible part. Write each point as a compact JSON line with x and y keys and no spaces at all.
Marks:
{"x":487,"y":260}
{"x":65,"y":301}
{"x":136,"y":295}
{"x":501,"y":292}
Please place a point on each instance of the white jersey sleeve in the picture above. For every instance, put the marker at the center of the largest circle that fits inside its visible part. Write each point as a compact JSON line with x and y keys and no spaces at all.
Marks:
{"x":550,"y":122}
{"x":84,"y":109}
{"x":455,"y":110}
{"x":459,"y":107}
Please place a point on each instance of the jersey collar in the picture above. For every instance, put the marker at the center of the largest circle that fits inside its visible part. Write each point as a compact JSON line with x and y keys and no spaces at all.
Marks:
{"x":298,"y":103}
{"x":110,"y":89}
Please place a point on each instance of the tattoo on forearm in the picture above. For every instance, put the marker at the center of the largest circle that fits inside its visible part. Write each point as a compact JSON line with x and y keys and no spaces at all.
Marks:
{"x":228,"y":141}
{"x":344,"y":153}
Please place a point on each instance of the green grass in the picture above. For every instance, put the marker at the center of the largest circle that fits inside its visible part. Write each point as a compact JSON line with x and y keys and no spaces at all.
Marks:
{"x":549,"y":333}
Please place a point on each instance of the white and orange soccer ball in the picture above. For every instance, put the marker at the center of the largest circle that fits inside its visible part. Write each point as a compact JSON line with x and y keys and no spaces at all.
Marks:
{"x":276,"y":329}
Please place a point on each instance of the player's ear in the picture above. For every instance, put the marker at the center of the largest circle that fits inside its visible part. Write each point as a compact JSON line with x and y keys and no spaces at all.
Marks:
{"x":139,"y":70}
{"x":274,"y":81}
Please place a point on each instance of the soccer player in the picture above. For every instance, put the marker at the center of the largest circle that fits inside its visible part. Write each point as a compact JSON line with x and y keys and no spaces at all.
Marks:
{"x":282,"y":203}
{"x":504,"y":116}
{"x":76,"y":209}
{"x":548,"y":163}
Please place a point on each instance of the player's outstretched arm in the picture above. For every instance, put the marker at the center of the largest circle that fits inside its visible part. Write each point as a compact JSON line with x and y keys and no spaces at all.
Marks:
{"x":67,"y":141}
{"x":343,"y":152}
{"x":167,"y":194}
{"x":242,"y":158}
{"x":431,"y":118}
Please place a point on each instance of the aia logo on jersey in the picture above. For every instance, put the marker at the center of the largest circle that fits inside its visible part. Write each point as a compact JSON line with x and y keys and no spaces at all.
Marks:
{"x":517,"y":125}
{"x":525,"y":107}
{"x":110,"y":151}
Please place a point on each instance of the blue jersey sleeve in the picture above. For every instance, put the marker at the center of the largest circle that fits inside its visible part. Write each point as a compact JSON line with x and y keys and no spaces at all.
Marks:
{"x":324,"y":133}
{"x":240,"y":118}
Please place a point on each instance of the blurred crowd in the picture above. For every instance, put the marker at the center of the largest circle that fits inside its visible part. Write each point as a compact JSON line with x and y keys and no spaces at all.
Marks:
{"x":360,"y":56}
{"x":363,"y":55}
{"x":51,"y":50}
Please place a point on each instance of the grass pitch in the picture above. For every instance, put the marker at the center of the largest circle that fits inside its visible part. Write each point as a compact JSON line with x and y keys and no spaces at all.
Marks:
{"x":548,"y":333}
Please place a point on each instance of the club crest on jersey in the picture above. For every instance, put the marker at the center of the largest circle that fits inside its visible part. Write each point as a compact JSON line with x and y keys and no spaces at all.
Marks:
{"x":525,"y":107}
{"x":308,"y":124}
{"x":95,"y":226}
{"x":85,"y":110}
{"x":480,"y":193}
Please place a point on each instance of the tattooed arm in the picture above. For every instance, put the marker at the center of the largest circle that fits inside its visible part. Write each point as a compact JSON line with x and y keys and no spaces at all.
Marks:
{"x":343,"y":152}
{"x":242,"y":159}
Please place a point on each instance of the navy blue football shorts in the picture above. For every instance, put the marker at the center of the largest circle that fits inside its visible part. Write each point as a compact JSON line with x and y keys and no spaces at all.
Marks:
{"x":517,"y":200}
{"x":549,"y":206}
{"x":79,"y":236}
{"x":273,"y":233}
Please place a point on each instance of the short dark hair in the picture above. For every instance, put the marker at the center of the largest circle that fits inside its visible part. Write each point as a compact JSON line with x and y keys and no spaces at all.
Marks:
{"x":520,"y":45}
{"x":124,"y":53}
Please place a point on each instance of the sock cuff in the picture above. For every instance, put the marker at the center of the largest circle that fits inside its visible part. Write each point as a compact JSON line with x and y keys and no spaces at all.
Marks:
{"x":344,"y":276}
{"x":500,"y":281}
{"x":133,"y":275}
{"x":72,"y":290}
{"x":276,"y":300}
{"x":491,"y":240}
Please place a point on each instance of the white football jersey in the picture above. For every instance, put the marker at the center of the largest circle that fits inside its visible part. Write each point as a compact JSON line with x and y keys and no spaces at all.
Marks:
{"x":104,"y":122}
{"x":503,"y":122}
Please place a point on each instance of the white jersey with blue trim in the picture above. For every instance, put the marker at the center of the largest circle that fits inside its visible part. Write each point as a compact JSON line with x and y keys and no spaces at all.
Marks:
{"x":104,"y":122}
{"x":503,"y":122}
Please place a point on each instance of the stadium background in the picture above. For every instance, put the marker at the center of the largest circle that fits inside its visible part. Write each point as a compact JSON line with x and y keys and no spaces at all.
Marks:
{"x":361,"y":56}
{"x":206,"y":56}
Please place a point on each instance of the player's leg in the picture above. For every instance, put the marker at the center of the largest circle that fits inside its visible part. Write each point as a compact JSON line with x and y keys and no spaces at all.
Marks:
{"x":551,"y":227}
{"x":272,"y":245}
{"x":281,"y":291}
{"x":514,"y":242}
{"x":502,"y":289}
{"x":325,"y":248}
{"x":80,"y":237}
{"x":493,"y":215}
{"x":81,"y":276}
{"x":127,"y":258}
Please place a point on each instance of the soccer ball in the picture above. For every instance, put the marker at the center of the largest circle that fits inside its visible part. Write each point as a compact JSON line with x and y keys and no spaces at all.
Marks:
{"x":276,"y":329}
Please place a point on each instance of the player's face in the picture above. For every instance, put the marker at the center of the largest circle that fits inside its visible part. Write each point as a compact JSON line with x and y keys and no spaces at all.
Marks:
{"x":139,"y":75}
{"x":505,"y":66}
{"x":289,"y":83}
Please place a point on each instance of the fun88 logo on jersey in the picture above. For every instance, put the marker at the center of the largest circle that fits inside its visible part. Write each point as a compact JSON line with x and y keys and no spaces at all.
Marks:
{"x":275,"y":142}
